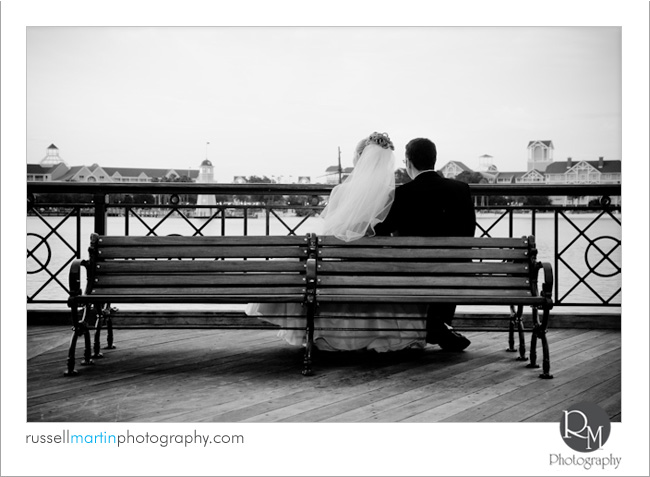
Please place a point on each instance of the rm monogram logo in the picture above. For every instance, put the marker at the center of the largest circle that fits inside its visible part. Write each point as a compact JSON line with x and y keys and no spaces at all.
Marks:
{"x":585,"y":427}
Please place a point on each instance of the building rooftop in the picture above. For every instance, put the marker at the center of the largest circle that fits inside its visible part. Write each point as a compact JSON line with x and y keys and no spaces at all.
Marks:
{"x":607,"y":166}
{"x":546,"y":143}
{"x":38,"y":169}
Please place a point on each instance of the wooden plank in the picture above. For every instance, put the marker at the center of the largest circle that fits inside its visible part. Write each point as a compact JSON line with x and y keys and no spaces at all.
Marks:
{"x":561,"y":393}
{"x":470,"y":281}
{"x":452,"y":299}
{"x":133,"y":367}
{"x":140,"y":298}
{"x":237,"y":377}
{"x":325,"y":241}
{"x":170,"y":251}
{"x":251,"y":292}
{"x":443,"y":400}
{"x":399,"y":292}
{"x":586,"y":354}
{"x":266,"y":240}
{"x":437,"y":368}
{"x":193,"y":266}
{"x":226,"y":279}
{"x":451,"y":268}
{"x":396,"y":401}
{"x":601,"y":389}
{"x":392,"y":253}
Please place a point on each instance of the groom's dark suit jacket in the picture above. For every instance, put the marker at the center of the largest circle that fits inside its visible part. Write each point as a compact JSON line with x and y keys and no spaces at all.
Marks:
{"x":430,"y":206}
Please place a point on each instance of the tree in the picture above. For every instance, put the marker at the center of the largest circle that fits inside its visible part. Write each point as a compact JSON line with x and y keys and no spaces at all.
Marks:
{"x":535,"y":200}
{"x":471,"y":177}
{"x":266,"y":199}
{"x":498,"y":200}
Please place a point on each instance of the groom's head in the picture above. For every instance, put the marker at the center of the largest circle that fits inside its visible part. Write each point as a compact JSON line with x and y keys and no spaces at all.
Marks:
{"x":421,"y":153}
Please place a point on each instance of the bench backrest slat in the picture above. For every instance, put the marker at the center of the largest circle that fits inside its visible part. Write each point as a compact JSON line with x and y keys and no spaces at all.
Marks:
{"x":184,"y":241}
{"x":450,"y":268}
{"x":242,"y":280}
{"x":422,"y":253}
{"x":424,"y":291}
{"x":444,"y":242}
{"x":420,"y":281}
{"x":169,"y":251}
{"x":124,"y":267}
{"x":258,"y":291}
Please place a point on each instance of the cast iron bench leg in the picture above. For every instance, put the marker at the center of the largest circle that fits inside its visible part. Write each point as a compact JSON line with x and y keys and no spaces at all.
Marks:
{"x":106,"y":312}
{"x":539,"y":331}
{"x":307,"y":370}
{"x":99,"y":313}
{"x":546,"y":356}
{"x":516,"y":321}
{"x":109,"y":327}
{"x":79,"y":328}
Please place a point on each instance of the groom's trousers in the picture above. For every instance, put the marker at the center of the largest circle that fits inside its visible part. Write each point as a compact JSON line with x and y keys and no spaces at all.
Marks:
{"x":438,"y":314}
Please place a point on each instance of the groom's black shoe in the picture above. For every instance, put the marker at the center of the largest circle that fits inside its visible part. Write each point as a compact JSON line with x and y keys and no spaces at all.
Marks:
{"x":447,"y":338}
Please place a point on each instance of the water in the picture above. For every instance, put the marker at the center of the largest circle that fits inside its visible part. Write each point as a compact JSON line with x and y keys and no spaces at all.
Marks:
{"x":603,"y":279}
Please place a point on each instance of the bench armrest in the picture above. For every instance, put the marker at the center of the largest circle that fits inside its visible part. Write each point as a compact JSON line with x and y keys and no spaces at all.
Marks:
{"x":74,"y":277}
{"x":547,"y":286}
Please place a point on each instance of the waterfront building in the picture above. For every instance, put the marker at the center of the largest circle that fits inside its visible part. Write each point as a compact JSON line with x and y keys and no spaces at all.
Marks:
{"x":540,"y":155}
{"x":485,"y":163}
{"x":206,"y":176}
{"x":54,"y":168}
{"x":39,"y":173}
{"x":583,"y":172}
{"x":454,"y":168}
{"x":52,"y":157}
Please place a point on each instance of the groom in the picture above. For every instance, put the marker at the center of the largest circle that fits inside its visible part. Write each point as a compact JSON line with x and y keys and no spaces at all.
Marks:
{"x":431,"y":206}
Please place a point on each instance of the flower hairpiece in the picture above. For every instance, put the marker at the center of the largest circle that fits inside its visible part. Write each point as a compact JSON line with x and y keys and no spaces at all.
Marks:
{"x":382,"y":140}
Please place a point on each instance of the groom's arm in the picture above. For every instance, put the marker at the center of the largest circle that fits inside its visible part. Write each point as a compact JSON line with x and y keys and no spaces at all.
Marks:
{"x":386,"y":227}
{"x":389,"y":225}
{"x":467,"y":214}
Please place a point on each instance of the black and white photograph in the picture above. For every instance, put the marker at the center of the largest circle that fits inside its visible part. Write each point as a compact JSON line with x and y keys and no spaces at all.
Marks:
{"x":263,"y":242}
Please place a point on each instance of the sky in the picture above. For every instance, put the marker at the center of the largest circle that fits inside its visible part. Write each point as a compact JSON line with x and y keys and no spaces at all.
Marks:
{"x":281,"y":101}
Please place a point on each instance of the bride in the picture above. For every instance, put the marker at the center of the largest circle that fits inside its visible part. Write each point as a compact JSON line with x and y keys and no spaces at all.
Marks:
{"x":355,"y":207}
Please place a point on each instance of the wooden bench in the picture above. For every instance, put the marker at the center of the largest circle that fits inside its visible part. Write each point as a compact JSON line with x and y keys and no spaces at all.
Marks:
{"x":454,"y":270}
{"x":178,"y":269}
{"x":311,"y":270}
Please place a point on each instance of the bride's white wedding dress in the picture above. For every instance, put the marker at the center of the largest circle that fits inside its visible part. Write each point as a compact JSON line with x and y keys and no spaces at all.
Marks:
{"x":354,"y":208}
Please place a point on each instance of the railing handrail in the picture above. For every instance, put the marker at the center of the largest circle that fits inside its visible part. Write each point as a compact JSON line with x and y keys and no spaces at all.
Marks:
{"x":577,"y":190}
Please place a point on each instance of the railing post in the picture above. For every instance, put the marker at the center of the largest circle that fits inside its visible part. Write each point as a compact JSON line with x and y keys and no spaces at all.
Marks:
{"x":100,"y":200}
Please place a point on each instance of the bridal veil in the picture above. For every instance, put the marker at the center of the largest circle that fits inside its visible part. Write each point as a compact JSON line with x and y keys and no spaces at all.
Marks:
{"x":365,"y":197}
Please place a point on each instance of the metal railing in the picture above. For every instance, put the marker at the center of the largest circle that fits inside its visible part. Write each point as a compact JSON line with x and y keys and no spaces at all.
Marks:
{"x":582,"y":242}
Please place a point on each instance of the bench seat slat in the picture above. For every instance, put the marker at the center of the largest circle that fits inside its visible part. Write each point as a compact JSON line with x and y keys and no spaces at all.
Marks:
{"x":423,"y":253}
{"x":252,"y":291}
{"x":330,"y":241}
{"x":424,"y":281}
{"x":198,"y":266}
{"x":198,"y":280}
{"x":170,"y":251}
{"x":148,"y":241}
{"x":451,"y":268}
{"x":465,"y":292}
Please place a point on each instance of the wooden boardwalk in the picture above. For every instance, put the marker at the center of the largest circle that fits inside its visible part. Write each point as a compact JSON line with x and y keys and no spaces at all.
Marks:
{"x":191,"y":375}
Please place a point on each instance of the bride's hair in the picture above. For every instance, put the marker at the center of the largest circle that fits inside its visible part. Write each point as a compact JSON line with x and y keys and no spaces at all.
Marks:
{"x":380,"y":139}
